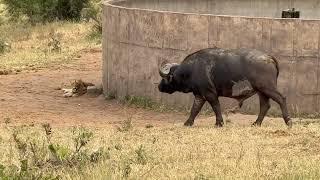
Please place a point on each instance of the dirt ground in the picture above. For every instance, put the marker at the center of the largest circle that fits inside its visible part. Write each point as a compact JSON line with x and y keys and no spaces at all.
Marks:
{"x":32,"y":97}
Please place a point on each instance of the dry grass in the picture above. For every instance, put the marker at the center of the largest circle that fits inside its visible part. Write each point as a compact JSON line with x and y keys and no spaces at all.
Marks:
{"x":41,"y":46}
{"x":190,"y":153}
{"x":172,"y":152}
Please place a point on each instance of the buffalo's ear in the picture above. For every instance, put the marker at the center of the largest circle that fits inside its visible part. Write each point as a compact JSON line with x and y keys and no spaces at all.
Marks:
{"x":173,"y":69}
{"x":172,"y":72}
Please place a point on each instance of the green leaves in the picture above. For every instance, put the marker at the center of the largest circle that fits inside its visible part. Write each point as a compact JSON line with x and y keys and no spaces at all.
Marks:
{"x":46,"y":10}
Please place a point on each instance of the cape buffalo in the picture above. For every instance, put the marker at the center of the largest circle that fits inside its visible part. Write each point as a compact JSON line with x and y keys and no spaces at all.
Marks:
{"x":236,"y":73}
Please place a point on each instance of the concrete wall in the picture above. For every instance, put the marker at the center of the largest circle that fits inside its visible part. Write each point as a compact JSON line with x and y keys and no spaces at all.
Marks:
{"x":310,"y":9}
{"x":137,"y":41}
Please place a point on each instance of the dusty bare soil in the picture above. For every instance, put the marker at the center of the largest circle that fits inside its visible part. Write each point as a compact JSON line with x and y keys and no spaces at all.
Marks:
{"x":32,"y":97}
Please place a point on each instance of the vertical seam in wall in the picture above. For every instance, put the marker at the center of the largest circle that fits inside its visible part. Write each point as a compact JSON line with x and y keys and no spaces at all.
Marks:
{"x":108,"y":65}
{"x":270,"y":34}
{"x":317,"y":100}
{"x":128,"y":66}
{"x":262,"y":32}
{"x":294,"y":53}
{"x":128,"y":51}
{"x":218,"y":21}
{"x":104,"y":52}
{"x":117,"y":74}
{"x":188,"y":31}
{"x":262,"y":46}
{"x":293,"y":60}
{"x":294,"y":73}
{"x":208,"y":19}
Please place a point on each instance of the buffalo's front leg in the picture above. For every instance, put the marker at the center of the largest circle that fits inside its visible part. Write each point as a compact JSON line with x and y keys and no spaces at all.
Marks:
{"x":196,"y":108}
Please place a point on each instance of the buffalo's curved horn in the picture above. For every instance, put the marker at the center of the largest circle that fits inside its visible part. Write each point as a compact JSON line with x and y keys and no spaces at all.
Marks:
{"x":164,"y":69}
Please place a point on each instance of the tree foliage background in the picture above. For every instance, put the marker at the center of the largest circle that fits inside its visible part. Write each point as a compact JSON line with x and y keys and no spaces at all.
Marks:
{"x":46,"y":10}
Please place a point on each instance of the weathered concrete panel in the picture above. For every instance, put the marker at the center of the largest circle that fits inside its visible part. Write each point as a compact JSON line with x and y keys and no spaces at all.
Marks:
{"x":198,"y":32}
{"x":125,"y":23}
{"x":250,"y":33}
{"x":228,"y":35}
{"x":306,"y":86}
{"x":137,"y":69}
{"x":236,"y":32}
{"x":122,"y":70}
{"x":317,"y":93}
{"x":307,"y":38}
{"x":175,"y":31}
{"x":152,"y":74}
{"x":112,"y":58}
{"x":105,"y":51}
{"x":287,"y":67}
{"x":213,"y":30}
{"x":147,"y":29}
{"x":112,"y":23}
{"x":282,"y":37}
{"x":266,"y":34}
{"x":286,"y":80}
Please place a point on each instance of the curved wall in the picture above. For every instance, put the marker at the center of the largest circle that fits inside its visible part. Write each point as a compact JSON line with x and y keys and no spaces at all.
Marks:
{"x":136,"y":41}
{"x":309,"y":9}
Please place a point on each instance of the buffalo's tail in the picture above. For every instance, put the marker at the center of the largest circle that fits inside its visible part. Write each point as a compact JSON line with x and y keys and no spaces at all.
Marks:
{"x":276,"y":64}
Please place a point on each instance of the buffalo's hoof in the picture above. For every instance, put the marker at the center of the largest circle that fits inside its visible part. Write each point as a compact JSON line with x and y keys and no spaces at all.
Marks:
{"x":218,"y":125}
{"x":188,"y":123}
{"x":289,"y":123}
{"x":256,"y":124}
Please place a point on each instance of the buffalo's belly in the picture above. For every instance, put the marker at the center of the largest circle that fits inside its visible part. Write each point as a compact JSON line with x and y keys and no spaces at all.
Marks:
{"x":241,"y":87}
{"x":235,"y":88}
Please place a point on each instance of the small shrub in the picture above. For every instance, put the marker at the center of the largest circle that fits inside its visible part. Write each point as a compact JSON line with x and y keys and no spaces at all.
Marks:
{"x":59,"y":153}
{"x":126,"y":170}
{"x":149,"y":126}
{"x":111,"y":95}
{"x":2,"y":168}
{"x":99,"y":154}
{"x":201,"y":177}
{"x":48,"y":130}
{"x":54,"y":44}
{"x":82,"y":137}
{"x":118,"y":147}
{"x":32,"y":158}
{"x":3,"y":14}
{"x":141,"y":155}
{"x":40,"y":159}
{"x":21,"y":145}
{"x":4,"y":46}
{"x":39,"y":152}
{"x":126,"y":125}
{"x":7,"y":120}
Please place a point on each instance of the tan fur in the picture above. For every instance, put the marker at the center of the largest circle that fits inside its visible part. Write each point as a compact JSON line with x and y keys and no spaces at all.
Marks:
{"x":80,"y":87}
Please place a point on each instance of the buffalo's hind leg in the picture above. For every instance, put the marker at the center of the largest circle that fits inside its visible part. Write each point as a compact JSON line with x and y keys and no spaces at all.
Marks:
{"x":196,"y":108}
{"x":264,"y":107}
{"x":215,"y":104}
{"x":281,"y":100}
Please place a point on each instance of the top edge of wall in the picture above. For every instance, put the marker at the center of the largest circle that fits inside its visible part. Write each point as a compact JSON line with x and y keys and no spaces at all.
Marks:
{"x":114,"y":4}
